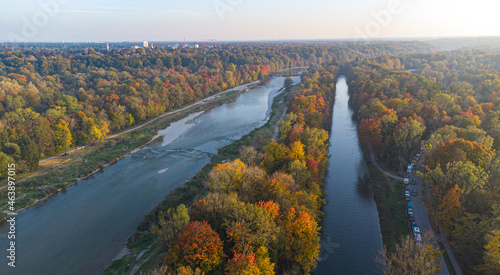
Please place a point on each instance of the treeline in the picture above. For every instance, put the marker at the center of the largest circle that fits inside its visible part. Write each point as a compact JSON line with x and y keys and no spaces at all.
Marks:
{"x":261,"y":213}
{"x":450,"y":113}
{"x":51,"y":100}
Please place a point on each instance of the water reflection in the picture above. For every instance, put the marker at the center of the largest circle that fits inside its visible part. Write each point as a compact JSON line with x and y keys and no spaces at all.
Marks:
{"x":351,"y":236}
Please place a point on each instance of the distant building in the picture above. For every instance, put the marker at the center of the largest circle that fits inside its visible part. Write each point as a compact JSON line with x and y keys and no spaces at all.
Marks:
{"x":107,"y":46}
{"x":196,"y":46}
{"x":145,"y":44}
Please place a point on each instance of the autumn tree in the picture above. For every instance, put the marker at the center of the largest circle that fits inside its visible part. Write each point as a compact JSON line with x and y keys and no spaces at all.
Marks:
{"x":407,"y":136}
{"x":460,"y":150}
{"x":411,"y":259}
{"x":242,"y":264}
{"x":301,"y":239}
{"x":254,"y":227}
{"x":315,"y":139}
{"x":447,"y":212}
{"x":198,"y":247}
{"x":236,"y":177}
{"x":62,"y":135}
{"x":249,"y":155}
{"x":491,"y":264}
{"x":276,"y":156}
{"x":170,"y":229}
{"x":5,"y":160}
{"x":370,"y":132}
{"x":217,"y":209}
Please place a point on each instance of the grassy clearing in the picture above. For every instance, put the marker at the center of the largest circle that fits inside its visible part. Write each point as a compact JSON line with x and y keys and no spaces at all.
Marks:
{"x":391,"y":206}
{"x":56,"y":174}
{"x":190,"y":192}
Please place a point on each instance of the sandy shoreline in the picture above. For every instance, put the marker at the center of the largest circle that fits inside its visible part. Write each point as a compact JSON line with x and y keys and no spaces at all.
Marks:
{"x":176,"y":129}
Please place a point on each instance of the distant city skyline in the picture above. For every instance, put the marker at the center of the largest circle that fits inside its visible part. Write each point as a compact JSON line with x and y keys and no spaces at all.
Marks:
{"x":240,"y":20}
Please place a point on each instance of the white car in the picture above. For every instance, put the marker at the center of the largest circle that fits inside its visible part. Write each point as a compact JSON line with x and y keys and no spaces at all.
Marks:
{"x":416,"y":231}
{"x":418,"y":240}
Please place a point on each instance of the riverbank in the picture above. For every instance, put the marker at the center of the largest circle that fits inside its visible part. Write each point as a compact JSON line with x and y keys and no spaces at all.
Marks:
{"x":55,"y":174}
{"x":145,"y":251}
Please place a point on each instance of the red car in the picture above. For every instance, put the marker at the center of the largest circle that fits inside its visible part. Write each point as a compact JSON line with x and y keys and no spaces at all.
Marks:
{"x":412,"y":218}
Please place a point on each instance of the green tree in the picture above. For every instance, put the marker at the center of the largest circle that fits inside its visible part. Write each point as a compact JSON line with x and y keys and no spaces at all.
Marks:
{"x":5,"y":160}
{"x":30,"y":153}
{"x":11,"y":149}
{"x":491,"y":264}
{"x":171,"y":228}
{"x":407,"y":136}
{"x":469,"y":238}
{"x":288,"y":84}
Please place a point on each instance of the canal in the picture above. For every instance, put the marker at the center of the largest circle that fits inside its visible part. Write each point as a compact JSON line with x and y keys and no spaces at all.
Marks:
{"x":351,"y":236}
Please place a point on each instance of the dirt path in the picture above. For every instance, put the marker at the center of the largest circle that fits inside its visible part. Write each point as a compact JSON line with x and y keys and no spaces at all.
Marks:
{"x":372,"y":154}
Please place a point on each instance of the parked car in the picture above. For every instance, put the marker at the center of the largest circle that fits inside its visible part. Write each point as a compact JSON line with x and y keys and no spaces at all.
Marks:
{"x":406,"y":181}
{"x":416,"y":230}
{"x":408,"y":198}
{"x":418,"y":239}
{"x":413,"y":225}
{"x":413,"y":181}
{"x":414,"y":193}
{"x":407,"y":193}
{"x":408,"y":170}
{"x":412,"y":218}
{"x":410,"y":211}
{"x":409,"y":205}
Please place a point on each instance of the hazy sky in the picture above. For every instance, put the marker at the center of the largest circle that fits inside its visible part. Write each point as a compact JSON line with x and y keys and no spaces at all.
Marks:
{"x":164,"y":20}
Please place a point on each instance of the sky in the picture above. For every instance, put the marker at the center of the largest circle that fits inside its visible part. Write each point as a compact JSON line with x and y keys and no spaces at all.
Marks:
{"x":239,"y":20}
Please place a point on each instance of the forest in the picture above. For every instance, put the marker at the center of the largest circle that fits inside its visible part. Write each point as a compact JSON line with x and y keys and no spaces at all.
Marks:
{"x":261,"y":211}
{"x":57,"y":96}
{"x":445,"y":106}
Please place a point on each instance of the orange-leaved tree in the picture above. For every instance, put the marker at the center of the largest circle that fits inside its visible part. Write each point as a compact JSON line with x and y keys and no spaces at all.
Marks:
{"x":198,"y":246}
{"x":301,"y":239}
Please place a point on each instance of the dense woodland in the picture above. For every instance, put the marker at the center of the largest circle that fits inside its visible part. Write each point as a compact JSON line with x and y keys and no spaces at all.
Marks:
{"x":448,"y":109}
{"x":57,"y":96}
{"x":261,"y":213}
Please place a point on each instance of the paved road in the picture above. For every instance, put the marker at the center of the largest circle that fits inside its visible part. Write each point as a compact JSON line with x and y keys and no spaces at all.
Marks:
{"x":421,"y":216}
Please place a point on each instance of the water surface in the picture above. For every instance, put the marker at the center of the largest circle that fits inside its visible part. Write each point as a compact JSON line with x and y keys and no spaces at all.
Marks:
{"x":351,"y":236}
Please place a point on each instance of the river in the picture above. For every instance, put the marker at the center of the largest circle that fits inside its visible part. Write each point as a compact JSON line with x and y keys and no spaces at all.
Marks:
{"x":351,"y":236}
{"x":80,"y":230}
